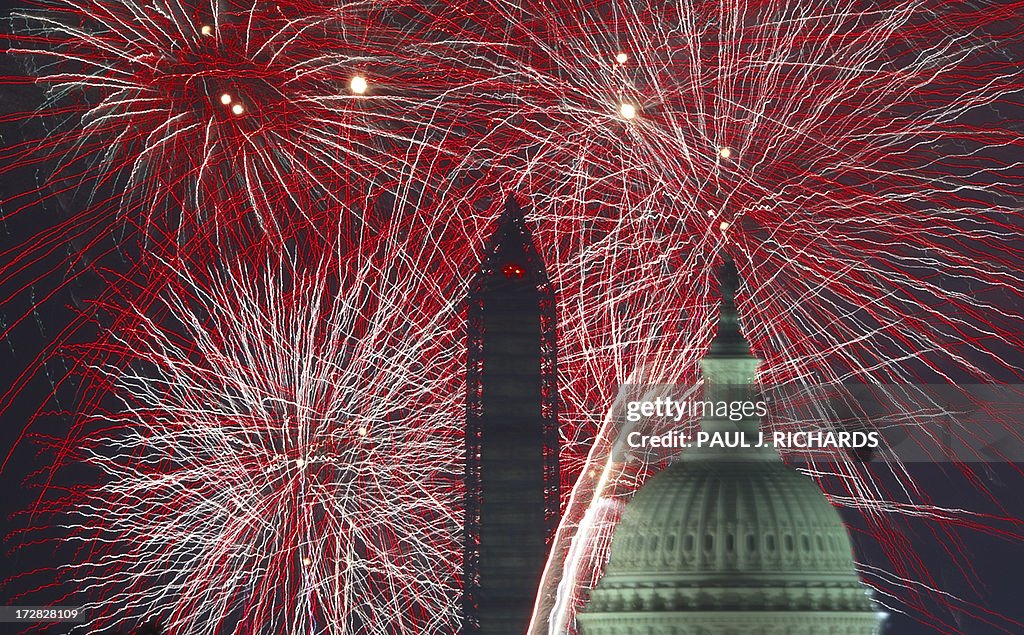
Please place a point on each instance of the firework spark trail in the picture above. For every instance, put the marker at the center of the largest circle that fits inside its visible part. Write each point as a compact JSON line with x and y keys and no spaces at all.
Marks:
{"x":278,"y":460}
{"x":860,"y":163}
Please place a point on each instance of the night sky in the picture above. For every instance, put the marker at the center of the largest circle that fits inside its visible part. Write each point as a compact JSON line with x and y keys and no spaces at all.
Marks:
{"x":996,"y":562}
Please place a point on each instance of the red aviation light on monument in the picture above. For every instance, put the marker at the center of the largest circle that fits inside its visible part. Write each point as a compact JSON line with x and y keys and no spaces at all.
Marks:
{"x":512,"y":270}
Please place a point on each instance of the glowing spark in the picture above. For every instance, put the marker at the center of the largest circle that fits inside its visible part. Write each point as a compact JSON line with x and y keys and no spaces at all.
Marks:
{"x":359,"y":85}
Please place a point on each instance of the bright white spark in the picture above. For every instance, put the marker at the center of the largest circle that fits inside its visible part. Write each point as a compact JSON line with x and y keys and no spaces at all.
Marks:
{"x":359,"y":85}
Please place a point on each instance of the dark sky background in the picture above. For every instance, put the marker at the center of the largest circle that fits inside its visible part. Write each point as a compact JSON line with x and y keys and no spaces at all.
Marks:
{"x":997,"y":563}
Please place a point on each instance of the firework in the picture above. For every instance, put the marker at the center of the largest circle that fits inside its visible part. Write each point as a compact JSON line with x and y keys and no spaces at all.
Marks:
{"x":859,"y":163}
{"x":277,"y":459}
{"x":190,"y":113}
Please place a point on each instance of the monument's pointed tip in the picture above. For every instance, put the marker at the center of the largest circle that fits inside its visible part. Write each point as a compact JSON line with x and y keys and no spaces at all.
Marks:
{"x":512,"y":209}
{"x":513,"y":219}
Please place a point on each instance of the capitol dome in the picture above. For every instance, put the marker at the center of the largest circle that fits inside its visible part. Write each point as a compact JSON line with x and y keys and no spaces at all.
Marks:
{"x":741,"y":547}
{"x":730,"y":541}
